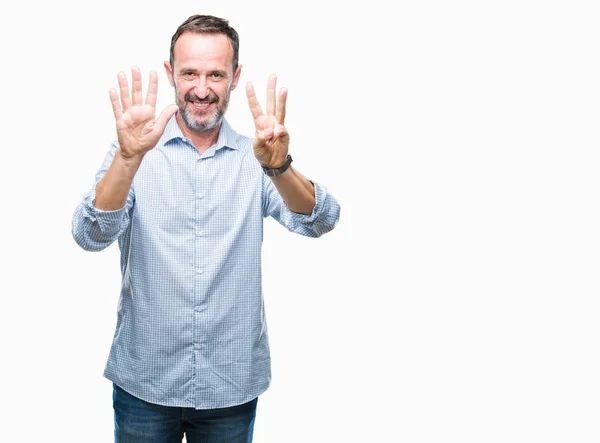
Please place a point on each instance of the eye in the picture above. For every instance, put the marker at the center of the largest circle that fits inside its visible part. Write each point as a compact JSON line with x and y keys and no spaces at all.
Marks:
{"x":187,"y":74}
{"x":216,"y":75}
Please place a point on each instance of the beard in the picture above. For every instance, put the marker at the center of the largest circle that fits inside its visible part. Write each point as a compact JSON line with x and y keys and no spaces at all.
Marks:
{"x":190,"y":119}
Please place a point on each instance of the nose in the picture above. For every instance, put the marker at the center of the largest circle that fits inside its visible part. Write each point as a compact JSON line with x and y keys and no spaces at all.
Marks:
{"x":201,"y":88}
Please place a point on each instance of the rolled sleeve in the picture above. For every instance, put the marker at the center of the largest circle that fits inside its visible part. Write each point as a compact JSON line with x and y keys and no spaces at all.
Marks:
{"x":324,"y":216}
{"x":94,"y":229}
{"x":109,"y":222}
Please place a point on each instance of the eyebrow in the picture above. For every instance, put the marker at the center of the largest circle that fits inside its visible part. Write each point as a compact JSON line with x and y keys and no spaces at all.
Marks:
{"x":210,"y":71}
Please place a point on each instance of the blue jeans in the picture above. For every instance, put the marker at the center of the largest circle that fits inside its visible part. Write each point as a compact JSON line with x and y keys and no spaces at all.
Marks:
{"x":137,"y":421}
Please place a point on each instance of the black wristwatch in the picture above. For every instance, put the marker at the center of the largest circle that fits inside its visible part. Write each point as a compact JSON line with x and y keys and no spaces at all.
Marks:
{"x":275,"y":172}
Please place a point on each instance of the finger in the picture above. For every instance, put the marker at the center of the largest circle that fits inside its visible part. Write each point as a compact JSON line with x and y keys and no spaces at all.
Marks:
{"x":279,"y":131}
{"x":271,"y":85}
{"x":163,"y":118}
{"x":124,"y":88}
{"x":263,"y":137}
{"x":152,"y":89}
{"x":116,"y":105}
{"x":136,"y":85}
{"x":281,"y":106}
{"x":253,"y":101}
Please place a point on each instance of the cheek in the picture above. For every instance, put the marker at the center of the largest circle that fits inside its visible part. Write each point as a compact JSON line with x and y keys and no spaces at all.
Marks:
{"x":181,"y":90}
{"x":223,"y":90}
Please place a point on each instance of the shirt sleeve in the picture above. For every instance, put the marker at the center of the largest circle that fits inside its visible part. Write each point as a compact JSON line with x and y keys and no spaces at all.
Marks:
{"x":323,"y":218}
{"x":94,"y":229}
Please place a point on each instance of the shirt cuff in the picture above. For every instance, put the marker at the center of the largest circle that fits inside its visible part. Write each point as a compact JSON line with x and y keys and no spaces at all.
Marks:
{"x":108,"y":221}
{"x":320,"y":195}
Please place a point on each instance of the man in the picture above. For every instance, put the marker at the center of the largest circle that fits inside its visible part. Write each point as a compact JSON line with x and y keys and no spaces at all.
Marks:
{"x":185,"y":196}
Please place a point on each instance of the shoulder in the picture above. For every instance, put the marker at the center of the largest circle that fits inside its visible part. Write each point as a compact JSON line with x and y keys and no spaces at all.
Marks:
{"x":244,"y":143}
{"x":235,"y":140}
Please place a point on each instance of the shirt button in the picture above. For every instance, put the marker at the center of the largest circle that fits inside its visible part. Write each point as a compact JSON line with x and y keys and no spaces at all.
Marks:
{"x":198,"y":196}
{"x":198,"y":308}
{"x":196,"y":345}
{"x":198,"y":234}
{"x":199,"y":271}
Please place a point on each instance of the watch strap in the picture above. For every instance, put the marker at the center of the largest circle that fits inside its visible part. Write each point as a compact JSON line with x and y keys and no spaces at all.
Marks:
{"x":275,"y":172}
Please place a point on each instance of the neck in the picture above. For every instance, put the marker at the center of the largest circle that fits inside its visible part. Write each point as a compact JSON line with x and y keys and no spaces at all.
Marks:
{"x":201,"y":140}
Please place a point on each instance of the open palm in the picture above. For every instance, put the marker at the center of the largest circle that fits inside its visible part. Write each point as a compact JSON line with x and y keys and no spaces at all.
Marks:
{"x":137,"y":129}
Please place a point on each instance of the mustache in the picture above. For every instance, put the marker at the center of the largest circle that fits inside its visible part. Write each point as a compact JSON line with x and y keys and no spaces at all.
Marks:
{"x":191,"y":97}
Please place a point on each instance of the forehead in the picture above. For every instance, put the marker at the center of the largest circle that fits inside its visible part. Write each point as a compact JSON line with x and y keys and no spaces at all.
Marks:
{"x":194,"y":50}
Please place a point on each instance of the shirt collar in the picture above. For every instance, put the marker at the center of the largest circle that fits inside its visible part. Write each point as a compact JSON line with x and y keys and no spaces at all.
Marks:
{"x":227,"y":136}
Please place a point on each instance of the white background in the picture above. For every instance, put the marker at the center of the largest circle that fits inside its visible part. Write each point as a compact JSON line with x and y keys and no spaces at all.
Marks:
{"x":457,"y":299}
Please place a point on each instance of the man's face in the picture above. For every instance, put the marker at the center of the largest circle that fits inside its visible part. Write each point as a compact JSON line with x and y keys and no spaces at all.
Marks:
{"x":203,"y":77}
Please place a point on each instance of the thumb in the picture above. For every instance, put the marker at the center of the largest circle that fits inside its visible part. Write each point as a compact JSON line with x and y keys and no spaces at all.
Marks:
{"x":163,"y":118}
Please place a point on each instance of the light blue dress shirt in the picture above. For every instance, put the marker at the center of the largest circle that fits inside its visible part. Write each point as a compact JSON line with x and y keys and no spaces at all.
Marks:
{"x":191,"y":328}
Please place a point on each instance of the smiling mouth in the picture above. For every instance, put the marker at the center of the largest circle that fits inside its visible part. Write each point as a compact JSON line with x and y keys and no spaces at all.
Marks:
{"x":201,"y":105}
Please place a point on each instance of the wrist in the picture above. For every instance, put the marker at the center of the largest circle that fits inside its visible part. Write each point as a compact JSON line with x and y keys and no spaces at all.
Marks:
{"x":127,"y":164}
{"x":271,"y":163}
{"x":277,"y":171}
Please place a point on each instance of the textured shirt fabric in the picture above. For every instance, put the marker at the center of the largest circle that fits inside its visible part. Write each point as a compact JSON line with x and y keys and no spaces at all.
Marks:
{"x":191,"y":328}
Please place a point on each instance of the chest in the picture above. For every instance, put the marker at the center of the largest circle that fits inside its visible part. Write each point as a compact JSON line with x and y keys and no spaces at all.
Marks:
{"x":181,"y":189}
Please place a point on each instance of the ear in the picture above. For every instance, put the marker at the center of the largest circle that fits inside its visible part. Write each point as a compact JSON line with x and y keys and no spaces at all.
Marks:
{"x":169,"y":71}
{"x":236,"y":77}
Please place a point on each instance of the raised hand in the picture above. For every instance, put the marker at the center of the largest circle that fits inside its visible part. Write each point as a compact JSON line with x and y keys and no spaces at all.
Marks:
{"x":272,"y":139}
{"x":137,"y":129}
